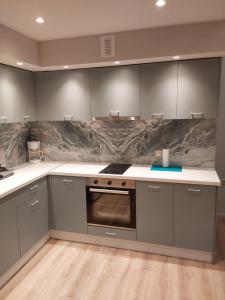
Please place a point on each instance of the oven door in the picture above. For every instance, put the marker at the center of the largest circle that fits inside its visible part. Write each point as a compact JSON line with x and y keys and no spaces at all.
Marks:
{"x":111,"y":207}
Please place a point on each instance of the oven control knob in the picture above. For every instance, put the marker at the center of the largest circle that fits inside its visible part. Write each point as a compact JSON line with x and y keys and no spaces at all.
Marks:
{"x":123,"y":183}
{"x":95,"y":181}
{"x":109,"y":182}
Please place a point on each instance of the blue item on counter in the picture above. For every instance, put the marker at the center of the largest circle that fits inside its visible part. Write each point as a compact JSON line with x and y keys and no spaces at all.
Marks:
{"x":168,"y":169}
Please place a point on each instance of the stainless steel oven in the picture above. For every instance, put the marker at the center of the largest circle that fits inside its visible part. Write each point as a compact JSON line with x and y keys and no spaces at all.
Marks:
{"x":111,"y":202}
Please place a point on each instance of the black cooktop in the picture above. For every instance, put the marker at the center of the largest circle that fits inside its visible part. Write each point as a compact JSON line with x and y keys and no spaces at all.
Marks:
{"x":5,"y":172}
{"x":115,"y":169}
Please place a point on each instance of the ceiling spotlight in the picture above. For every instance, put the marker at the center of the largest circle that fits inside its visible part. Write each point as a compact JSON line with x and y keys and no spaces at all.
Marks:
{"x":19,"y":63}
{"x":39,"y":20}
{"x":66,"y":67}
{"x":116,"y":62}
{"x":160,"y":3}
{"x":176,"y":57}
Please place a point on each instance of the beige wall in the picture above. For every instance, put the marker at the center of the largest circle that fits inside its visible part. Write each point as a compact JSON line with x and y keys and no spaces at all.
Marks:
{"x":156,"y":44}
{"x":15,"y":46}
{"x":196,"y":40}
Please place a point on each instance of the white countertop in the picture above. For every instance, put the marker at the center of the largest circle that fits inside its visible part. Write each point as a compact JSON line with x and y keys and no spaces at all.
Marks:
{"x":28,"y":173}
{"x":24,"y":175}
{"x":141,"y":172}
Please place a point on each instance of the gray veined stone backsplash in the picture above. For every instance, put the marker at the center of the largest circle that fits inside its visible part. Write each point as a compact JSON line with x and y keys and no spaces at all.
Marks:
{"x":13,"y":143}
{"x":192,"y":142}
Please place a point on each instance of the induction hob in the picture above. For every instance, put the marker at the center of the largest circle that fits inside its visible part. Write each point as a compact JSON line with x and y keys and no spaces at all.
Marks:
{"x":117,"y":169}
{"x":5,"y":172}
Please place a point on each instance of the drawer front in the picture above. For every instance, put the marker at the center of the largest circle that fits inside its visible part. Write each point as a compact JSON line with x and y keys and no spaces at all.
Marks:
{"x":32,"y":221}
{"x":112,"y":232}
{"x":194,"y":216}
{"x":31,"y":191}
{"x":154,"y":202}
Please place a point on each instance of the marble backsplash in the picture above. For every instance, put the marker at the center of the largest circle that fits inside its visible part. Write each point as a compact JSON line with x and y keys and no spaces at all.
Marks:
{"x":13,"y":143}
{"x":191,"y":142}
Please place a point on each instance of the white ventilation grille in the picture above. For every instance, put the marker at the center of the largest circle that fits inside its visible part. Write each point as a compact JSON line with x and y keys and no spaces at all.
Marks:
{"x":108,"y":46}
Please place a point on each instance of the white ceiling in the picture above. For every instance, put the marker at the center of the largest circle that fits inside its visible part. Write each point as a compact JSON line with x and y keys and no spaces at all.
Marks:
{"x":70,"y":18}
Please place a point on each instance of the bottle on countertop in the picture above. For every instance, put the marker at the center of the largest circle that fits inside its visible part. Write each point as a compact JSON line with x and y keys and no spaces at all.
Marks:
{"x":165,"y":158}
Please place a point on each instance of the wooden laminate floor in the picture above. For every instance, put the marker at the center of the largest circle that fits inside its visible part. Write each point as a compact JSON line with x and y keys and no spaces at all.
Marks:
{"x":66,"y":270}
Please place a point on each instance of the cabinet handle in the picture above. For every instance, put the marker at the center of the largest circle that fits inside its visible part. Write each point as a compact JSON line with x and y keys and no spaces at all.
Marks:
{"x":33,"y":187}
{"x":67,"y":180}
{"x":197,"y":115}
{"x":34,"y":203}
{"x":111,"y":233}
{"x":194,"y":191}
{"x":159,"y":115}
{"x":154,"y":188}
{"x":114,"y":113}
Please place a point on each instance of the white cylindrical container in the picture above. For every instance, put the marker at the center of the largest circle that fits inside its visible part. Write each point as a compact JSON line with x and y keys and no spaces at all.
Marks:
{"x":165,"y":158}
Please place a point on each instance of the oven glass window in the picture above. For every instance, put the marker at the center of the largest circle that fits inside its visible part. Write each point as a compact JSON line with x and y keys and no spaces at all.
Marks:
{"x":111,"y":209}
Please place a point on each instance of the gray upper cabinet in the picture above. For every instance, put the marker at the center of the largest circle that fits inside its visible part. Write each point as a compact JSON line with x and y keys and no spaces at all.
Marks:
{"x":32,"y":213}
{"x":159,"y":90}
{"x":67,"y":204}
{"x":9,"y":249}
{"x":115,"y":89}
{"x":194,"y":217}
{"x":154,"y":213}
{"x":17,"y":95}
{"x":198,"y":82}
{"x":63,"y":94}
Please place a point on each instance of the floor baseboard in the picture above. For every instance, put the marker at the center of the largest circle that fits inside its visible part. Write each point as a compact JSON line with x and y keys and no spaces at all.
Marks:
{"x":133,"y":245}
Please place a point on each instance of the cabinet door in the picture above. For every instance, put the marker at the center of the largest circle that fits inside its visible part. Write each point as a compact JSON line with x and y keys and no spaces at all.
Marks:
{"x":32,"y":220}
{"x":159,"y":90}
{"x":198,"y":82}
{"x":67,"y":205}
{"x":115,"y":89}
{"x":194,"y":217}
{"x":63,"y":94}
{"x":17,"y":95}
{"x":9,"y":249}
{"x":154,"y":213}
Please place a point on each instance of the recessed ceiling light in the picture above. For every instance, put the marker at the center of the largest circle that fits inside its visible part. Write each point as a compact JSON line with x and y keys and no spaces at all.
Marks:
{"x":19,"y":63}
{"x":66,"y":67}
{"x":116,"y":62}
{"x":39,"y":20}
{"x":160,"y":3}
{"x":176,"y":57}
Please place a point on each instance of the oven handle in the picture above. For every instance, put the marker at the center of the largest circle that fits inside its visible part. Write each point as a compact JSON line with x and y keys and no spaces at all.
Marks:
{"x":109,"y":191}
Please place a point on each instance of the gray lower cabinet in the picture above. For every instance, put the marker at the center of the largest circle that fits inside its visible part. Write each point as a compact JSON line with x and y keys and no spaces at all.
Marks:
{"x":154,"y":212}
{"x":9,"y":249}
{"x":194,"y":216}
{"x":67,"y":204}
{"x":32,"y":213}
{"x":117,"y":233}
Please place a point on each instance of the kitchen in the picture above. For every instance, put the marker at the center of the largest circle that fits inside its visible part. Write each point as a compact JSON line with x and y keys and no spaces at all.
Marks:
{"x":112,"y":150}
